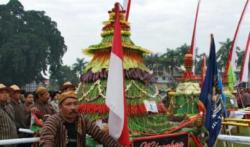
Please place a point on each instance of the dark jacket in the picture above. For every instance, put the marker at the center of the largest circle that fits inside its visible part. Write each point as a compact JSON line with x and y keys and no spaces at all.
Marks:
{"x":20,"y":116}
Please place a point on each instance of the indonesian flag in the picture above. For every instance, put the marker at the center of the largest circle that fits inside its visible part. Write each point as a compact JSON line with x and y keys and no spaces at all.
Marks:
{"x":36,"y":124}
{"x":245,"y":63}
{"x":117,"y":122}
{"x":126,"y":7}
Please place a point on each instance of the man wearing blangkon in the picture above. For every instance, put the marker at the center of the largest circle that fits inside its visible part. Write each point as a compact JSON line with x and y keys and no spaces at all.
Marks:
{"x":7,"y":118}
{"x":68,"y":128}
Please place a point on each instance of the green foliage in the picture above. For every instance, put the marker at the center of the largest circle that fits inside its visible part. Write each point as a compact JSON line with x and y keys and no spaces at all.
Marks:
{"x":79,"y":66}
{"x":29,"y":43}
{"x":223,"y":52}
{"x":198,"y":63}
{"x":169,"y":61}
{"x":64,"y":73}
{"x":240,"y":55}
{"x":172,"y":59}
{"x":67,"y":73}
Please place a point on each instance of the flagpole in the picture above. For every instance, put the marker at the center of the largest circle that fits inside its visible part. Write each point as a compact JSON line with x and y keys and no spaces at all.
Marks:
{"x":203,"y":67}
{"x":246,"y":56}
{"x":128,"y":9}
{"x":233,"y":42}
{"x":194,"y":35}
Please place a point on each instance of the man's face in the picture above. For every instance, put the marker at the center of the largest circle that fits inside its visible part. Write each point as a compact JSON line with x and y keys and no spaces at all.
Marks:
{"x":44,"y":97}
{"x":16,"y":95}
{"x":3,"y":96}
{"x":29,"y":99}
{"x":69,"y":108}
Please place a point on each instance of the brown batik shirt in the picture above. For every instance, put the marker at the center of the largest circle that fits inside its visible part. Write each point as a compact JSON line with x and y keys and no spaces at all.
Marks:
{"x":54,"y":133}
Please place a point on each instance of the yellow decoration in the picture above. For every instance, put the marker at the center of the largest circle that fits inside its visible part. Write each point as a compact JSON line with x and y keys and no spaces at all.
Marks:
{"x":188,"y":88}
{"x":237,"y":119}
{"x":111,"y":32}
{"x":236,"y":124}
{"x":102,"y":62}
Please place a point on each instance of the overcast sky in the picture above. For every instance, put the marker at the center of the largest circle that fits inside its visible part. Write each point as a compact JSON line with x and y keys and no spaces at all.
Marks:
{"x":155,"y":24}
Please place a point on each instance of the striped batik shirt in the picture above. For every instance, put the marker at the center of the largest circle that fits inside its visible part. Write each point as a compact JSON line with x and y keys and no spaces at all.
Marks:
{"x":7,"y":123}
{"x":54,"y":133}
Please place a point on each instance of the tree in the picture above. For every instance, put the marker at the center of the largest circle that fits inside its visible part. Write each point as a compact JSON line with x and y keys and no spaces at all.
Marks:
{"x":30,"y":44}
{"x":240,"y":55}
{"x":79,"y":65}
{"x":198,"y":63}
{"x":173,"y":59}
{"x":170,"y":61}
{"x":64,"y":73}
{"x":223,"y":53}
{"x":152,"y":61}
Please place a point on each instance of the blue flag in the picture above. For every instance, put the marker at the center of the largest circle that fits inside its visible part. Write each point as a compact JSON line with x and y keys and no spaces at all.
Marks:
{"x":211,"y":96}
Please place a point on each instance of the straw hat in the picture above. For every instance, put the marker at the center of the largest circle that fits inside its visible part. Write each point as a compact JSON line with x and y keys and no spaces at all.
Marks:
{"x":41,"y":90}
{"x":15,"y":88}
{"x":67,"y":85}
{"x":3,"y":87}
{"x":65,"y":95}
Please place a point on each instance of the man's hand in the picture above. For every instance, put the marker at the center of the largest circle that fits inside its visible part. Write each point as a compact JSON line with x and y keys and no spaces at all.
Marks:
{"x":46,"y":116}
{"x":34,"y":110}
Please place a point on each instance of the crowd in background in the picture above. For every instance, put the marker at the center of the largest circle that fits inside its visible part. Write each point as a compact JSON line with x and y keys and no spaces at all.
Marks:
{"x":17,"y":106}
{"x":243,"y":98}
{"x":56,"y":117}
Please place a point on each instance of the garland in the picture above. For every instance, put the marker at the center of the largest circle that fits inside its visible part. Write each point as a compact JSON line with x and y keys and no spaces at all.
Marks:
{"x":145,"y":92}
{"x":97,"y":89}
{"x":84,"y":95}
{"x":132,"y":110}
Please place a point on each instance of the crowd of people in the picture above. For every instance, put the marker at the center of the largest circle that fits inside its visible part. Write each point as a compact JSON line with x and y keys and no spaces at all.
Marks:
{"x":62,"y":125}
{"x":243,"y":98}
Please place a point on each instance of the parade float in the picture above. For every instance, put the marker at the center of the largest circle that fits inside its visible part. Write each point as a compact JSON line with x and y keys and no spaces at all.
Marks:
{"x":185,"y":98}
{"x":148,"y":118}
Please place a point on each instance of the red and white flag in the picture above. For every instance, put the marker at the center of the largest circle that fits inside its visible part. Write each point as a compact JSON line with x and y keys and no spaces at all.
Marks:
{"x":116,"y":102}
{"x":245,"y":64}
{"x":126,"y":7}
